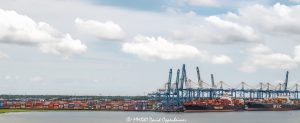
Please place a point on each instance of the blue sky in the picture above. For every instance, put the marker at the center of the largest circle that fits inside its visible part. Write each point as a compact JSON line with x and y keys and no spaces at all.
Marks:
{"x":161,"y":5}
{"x":126,"y":47}
{"x":147,"y":5}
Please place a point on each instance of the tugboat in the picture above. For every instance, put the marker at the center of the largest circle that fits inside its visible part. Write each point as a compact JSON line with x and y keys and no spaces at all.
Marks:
{"x":281,"y":103}
{"x":222,"y":104}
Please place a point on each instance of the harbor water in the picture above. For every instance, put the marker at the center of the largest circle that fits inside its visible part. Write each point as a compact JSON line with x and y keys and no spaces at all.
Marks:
{"x":150,"y":117}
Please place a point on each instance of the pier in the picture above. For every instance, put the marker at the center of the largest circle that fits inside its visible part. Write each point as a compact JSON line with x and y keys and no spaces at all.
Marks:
{"x":182,"y":89}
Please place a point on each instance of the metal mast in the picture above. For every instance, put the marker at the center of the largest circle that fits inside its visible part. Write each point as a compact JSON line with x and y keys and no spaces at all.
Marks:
{"x":286,"y":80}
{"x":199,"y":78}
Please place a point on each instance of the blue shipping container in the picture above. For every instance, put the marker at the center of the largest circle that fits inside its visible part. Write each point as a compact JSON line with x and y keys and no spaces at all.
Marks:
{"x":1,"y":104}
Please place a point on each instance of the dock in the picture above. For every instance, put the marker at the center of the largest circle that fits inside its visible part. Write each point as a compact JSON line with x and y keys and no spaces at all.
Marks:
{"x":182,"y":89}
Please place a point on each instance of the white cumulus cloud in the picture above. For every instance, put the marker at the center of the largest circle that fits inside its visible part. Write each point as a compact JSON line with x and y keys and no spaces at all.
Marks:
{"x":221,"y":59}
{"x":3,"y":55}
{"x":214,"y":29}
{"x":22,"y":30}
{"x":207,"y":3}
{"x":227,"y":31}
{"x":37,"y":78}
{"x":295,"y":1}
{"x":279,"y":18}
{"x":297,"y":53}
{"x":161,"y":48}
{"x":151,"y":47}
{"x":255,"y":23}
{"x":66,"y":45}
{"x":103,"y":30}
{"x":262,"y":56}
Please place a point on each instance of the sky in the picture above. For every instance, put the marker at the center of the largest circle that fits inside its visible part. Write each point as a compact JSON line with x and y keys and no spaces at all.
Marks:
{"x":126,"y":47}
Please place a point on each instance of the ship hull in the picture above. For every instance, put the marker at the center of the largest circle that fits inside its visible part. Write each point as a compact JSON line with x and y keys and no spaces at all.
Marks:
{"x":211,"y":108}
{"x":257,"y":106}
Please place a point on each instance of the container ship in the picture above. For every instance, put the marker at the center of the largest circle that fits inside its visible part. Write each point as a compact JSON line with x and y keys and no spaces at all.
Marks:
{"x":281,"y":103}
{"x":222,"y":104}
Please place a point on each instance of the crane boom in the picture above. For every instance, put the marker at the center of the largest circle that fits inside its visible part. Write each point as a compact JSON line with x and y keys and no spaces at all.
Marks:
{"x":286,"y":80}
{"x":212,"y":80}
{"x":199,"y":78}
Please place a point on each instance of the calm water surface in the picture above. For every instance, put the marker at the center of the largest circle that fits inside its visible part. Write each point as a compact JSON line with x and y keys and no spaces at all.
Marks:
{"x":150,"y":117}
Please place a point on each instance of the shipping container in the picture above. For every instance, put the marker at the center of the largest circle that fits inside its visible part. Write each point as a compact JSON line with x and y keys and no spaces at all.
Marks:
{"x":97,"y":106}
{"x":17,"y":105}
{"x":1,"y":104}
{"x":39,"y":105}
{"x":21,"y":105}
{"x":28,"y":104}
{"x":55,"y":104}
{"x":5,"y":104}
{"x":66,"y":105}
{"x":77,"y":105}
{"x":9,"y":104}
{"x":71,"y":105}
{"x":103,"y":108}
{"x":108,"y":107}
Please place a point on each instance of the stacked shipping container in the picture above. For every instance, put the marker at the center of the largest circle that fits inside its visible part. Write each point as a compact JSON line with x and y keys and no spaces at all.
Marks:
{"x":128,"y":105}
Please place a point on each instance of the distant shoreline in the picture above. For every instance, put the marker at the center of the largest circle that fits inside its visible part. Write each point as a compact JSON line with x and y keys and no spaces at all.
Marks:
{"x":14,"y":110}
{"x":59,"y":110}
{"x":46,"y":97}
